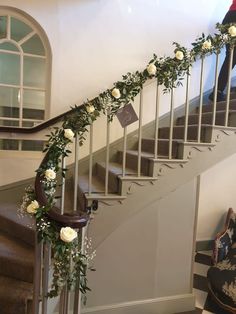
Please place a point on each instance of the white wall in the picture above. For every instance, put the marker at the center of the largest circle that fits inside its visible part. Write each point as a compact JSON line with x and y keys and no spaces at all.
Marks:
{"x":149,"y":251}
{"x":217,"y":194}
{"x":95,"y":42}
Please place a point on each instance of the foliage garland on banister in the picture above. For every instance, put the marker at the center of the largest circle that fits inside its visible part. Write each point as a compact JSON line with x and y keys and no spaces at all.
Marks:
{"x":69,"y":263}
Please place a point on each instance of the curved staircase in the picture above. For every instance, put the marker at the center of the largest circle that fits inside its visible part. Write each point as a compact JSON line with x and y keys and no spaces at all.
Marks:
{"x":17,"y":234}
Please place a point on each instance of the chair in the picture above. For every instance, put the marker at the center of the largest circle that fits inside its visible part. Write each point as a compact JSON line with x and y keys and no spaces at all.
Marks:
{"x":222,"y":274}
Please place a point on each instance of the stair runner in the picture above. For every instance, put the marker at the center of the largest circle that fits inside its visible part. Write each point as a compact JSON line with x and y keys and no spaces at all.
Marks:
{"x":17,"y":238}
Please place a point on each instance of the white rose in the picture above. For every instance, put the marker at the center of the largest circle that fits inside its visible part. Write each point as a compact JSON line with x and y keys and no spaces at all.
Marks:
{"x":151,"y":68}
{"x":116,"y":93}
{"x":50,"y":174}
{"x":68,"y":133}
{"x":32,"y":207}
{"x":179,"y":55}
{"x":206,"y":45}
{"x":90,"y":108}
{"x":232,"y":31}
{"x":68,"y":234}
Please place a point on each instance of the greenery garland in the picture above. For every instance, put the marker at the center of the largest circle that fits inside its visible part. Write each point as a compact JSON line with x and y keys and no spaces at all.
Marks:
{"x":69,"y":263}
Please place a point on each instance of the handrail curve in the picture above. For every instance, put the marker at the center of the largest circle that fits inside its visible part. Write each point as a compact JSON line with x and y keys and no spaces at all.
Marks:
{"x":76,"y":219}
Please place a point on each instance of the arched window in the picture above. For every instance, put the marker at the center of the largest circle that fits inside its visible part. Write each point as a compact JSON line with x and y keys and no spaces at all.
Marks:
{"x":25,"y":66}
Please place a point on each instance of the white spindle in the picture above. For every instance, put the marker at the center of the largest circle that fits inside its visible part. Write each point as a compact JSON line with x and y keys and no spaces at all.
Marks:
{"x":229,"y":86}
{"x":201,"y":102}
{"x":63,"y":301}
{"x":140,"y":132}
{"x":107,"y":153}
{"x":63,"y":184}
{"x":46,"y":261}
{"x":77,"y":298}
{"x":215,"y":90}
{"x":76,"y":168}
{"x":37,"y":275}
{"x":171,"y":123}
{"x":90,"y":160}
{"x":124,"y":151}
{"x":187,"y":108}
{"x":156,"y":120}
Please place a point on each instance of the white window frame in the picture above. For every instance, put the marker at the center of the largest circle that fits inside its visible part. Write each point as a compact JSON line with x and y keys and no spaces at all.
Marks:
{"x":36,"y":29}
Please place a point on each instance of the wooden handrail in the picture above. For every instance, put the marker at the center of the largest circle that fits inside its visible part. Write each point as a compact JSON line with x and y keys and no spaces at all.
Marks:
{"x":40,"y":126}
{"x":74,"y":220}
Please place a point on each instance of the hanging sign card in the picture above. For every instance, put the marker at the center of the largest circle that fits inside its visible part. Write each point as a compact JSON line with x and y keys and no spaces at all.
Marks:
{"x":126,"y":115}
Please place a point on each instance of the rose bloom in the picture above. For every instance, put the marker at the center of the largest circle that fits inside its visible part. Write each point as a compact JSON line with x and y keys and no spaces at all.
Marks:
{"x":68,"y":234}
{"x":50,"y":174}
{"x":90,"y":108}
{"x":116,"y":93}
{"x":32,"y":207}
{"x":151,"y":68}
{"x":179,"y":55}
{"x":68,"y":133}
{"x":232,"y":31}
{"x":206,"y":45}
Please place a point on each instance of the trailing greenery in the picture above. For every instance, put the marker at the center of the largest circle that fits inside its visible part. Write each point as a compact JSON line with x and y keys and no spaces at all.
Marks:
{"x":69,"y":262}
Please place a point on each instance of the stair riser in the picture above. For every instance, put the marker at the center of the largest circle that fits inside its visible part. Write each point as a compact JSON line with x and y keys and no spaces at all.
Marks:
{"x":163,"y":147}
{"x":15,"y":269}
{"x":220,"y":119}
{"x":9,"y":308}
{"x":132,"y":162}
{"x":219,"y":106}
{"x":178,"y":133}
{"x":18,"y":231}
{"x":81,"y":199}
{"x":113,"y":181}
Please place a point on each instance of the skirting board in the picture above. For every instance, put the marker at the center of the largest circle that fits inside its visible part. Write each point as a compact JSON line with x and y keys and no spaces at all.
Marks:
{"x":164,"y":305}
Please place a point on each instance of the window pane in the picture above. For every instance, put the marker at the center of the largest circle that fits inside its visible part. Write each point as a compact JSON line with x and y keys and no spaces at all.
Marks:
{"x":3,"y":26}
{"x":34,"y":45}
{"x":9,"y":69}
{"x":9,"y":105}
{"x":8,"y":46}
{"x":9,"y":123}
{"x":19,"y":29}
{"x":9,"y":144}
{"x":28,"y":124}
{"x":33,"y":114}
{"x":34,"y":72}
{"x":32,"y":145}
{"x":33,"y":99}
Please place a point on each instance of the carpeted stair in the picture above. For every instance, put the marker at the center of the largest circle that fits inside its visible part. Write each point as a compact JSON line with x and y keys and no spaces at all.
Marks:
{"x":16,"y":261}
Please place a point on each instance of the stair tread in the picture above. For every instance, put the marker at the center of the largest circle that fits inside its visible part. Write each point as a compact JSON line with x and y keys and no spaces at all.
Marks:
{"x":163,"y":140}
{"x":21,"y":227}
{"x":9,"y":211}
{"x":143,"y":154}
